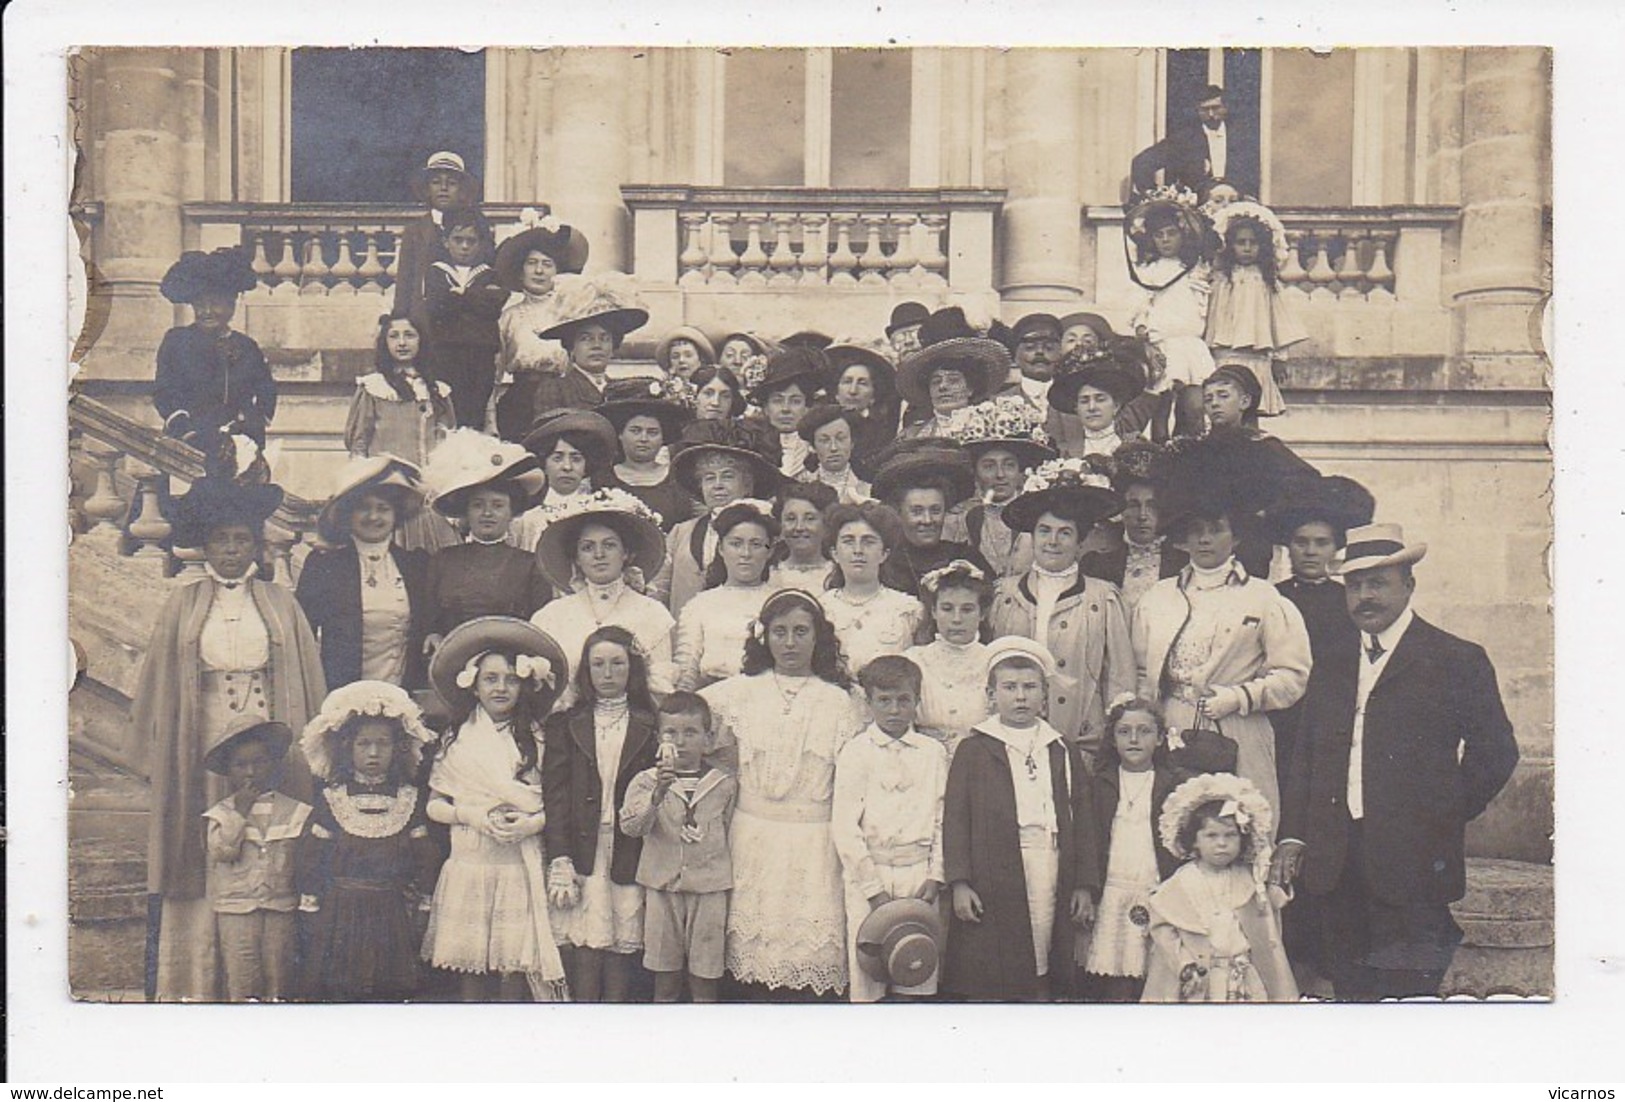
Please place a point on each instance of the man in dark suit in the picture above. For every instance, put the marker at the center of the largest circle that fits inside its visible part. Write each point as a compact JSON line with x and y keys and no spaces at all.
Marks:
{"x":1402,"y":746}
{"x":1193,"y":156}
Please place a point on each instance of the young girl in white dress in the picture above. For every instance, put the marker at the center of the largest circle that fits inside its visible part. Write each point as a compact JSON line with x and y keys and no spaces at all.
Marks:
{"x":953,"y":694}
{"x":1172,"y":314}
{"x":712,"y":628}
{"x":488,"y":919}
{"x":1249,"y":321}
{"x":593,"y":752}
{"x":786,"y":716}
{"x":869,"y":618}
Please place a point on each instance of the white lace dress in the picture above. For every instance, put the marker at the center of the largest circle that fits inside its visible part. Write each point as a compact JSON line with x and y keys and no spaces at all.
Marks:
{"x":953,"y":694}
{"x":883,"y":623}
{"x":787,"y":916}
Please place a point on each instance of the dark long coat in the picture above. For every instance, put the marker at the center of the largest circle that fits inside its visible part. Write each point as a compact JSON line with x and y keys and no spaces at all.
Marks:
{"x":572,"y":789}
{"x":1102,"y":803}
{"x":1437,"y":747}
{"x":330,"y":593}
{"x":992,"y":960}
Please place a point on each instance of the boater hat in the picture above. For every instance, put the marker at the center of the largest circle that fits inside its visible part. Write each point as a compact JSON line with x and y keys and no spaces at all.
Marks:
{"x":899,"y":943}
{"x":467,"y":460}
{"x":470,"y":640}
{"x":631,"y":519}
{"x":445,"y":161}
{"x":395,"y":479}
{"x":276,"y":735}
{"x":699,"y":340}
{"x":1377,"y":545}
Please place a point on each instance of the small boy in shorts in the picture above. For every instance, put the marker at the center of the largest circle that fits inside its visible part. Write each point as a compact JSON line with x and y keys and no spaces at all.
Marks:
{"x":681,"y":809}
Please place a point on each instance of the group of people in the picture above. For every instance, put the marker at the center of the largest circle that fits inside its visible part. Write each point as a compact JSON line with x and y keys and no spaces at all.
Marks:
{"x":939,"y":665}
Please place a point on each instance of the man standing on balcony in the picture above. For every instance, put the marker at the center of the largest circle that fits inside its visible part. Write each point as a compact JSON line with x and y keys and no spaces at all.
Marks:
{"x":1195,"y":155}
{"x":1398,"y":752}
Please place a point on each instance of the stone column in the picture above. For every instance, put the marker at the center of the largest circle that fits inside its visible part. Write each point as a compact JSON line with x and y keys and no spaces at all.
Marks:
{"x":1505,"y":185}
{"x":587,"y":149}
{"x":1043,"y":176}
{"x":151,"y":113}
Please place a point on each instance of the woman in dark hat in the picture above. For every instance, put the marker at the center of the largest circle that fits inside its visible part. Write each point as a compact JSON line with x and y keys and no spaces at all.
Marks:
{"x":955,"y":367}
{"x":596,"y":315}
{"x":527,"y":264}
{"x":717,"y":462}
{"x":482,"y":483}
{"x":923,"y":479}
{"x":443,"y":183}
{"x":830,"y":431}
{"x":227,"y":646}
{"x":212,"y":381}
{"x":1095,"y":392}
{"x":1081,"y":620}
{"x":645,"y":424}
{"x":576,"y":448}
{"x":792,"y":383}
{"x":1139,"y":555}
{"x":1217,"y":646}
{"x":367,"y":598}
{"x":861,"y":381}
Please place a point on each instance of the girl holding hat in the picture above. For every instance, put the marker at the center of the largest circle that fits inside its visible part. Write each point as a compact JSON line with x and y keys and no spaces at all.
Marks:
{"x":483,"y":483}
{"x":576,"y":448}
{"x":443,"y":183}
{"x":527,"y":264}
{"x":953,"y":665}
{"x":1215,"y":923}
{"x":869,"y":618}
{"x":365,"y":597}
{"x":212,"y":382}
{"x":593,"y":751}
{"x":800,"y":561}
{"x":254,"y":838}
{"x":403,"y":411}
{"x":831,"y":433}
{"x":488,"y":920}
{"x":785,"y":717}
{"x":587,"y":551}
{"x":226,"y":646}
{"x":712,"y":628}
{"x":1079,"y":620}
{"x":369,"y":866}
{"x":645,"y":424}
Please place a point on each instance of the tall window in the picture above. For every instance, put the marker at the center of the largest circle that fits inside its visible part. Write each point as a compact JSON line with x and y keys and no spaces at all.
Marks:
{"x":364,"y":120}
{"x":870,"y":105}
{"x":765,"y":115}
{"x":1311,"y":122}
{"x":1238,"y":72}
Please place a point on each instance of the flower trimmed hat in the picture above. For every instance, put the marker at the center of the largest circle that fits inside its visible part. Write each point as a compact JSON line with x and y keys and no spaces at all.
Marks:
{"x":707,"y":437}
{"x":366,"y":699}
{"x":1078,"y":489}
{"x":625,"y":399}
{"x":1010,"y":424}
{"x":468,"y":460}
{"x":636,"y":524}
{"x":565,"y":245}
{"x":456,"y":660}
{"x":1240,"y":799}
{"x":608,"y":299}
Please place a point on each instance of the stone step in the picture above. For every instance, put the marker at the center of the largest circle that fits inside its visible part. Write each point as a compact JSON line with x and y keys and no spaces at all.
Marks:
{"x":1508,"y":934}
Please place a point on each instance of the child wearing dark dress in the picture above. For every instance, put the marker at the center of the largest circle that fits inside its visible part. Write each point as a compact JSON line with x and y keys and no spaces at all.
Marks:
{"x":369,"y":865}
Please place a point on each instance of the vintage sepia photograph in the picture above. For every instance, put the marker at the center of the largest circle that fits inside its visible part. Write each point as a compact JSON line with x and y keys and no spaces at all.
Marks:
{"x":810,"y":524}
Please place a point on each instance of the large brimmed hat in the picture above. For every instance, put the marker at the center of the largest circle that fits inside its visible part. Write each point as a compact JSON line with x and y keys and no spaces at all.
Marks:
{"x":1009,"y":423}
{"x":910,"y":464}
{"x":1335,"y":500}
{"x":1138,"y":460}
{"x":900,"y":942}
{"x":445,"y":161}
{"x":483,"y":634}
{"x":1102,"y":328}
{"x":1108,"y":373}
{"x":947,"y":340}
{"x":595,"y":435}
{"x":703,"y":438}
{"x":395,"y":479}
{"x":565,"y":244}
{"x":625,"y":399}
{"x":1230,"y":470}
{"x":226,"y":271}
{"x":213,"y":501}
{"x":807,"y":338}
{"x":467,"y":460}
{"x":606,"y":298}
{"x":801,"y":364}
{"x":1077,"y":488}
{"x":693,"y":336}
{"x":842,"y":356}
{"x":378,"y":699}
{"x":637,"y":524}
{"x":1376,"y":545}
{"x":276,"y":735}
{"x":906,"y":314}
{"x":1173,"y":204}
{"x":1239,"y":798}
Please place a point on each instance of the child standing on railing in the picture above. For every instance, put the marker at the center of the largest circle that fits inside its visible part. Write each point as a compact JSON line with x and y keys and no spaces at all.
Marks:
{"x":1249,"y":322}
{"x":464,"y":300}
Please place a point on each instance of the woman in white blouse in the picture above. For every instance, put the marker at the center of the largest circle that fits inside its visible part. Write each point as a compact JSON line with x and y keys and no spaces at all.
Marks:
{"x":713,"y":626}
{"x":870,"y":619}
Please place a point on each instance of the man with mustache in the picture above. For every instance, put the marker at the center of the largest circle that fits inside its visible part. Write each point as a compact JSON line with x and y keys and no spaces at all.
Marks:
{"x":1402,"y":745}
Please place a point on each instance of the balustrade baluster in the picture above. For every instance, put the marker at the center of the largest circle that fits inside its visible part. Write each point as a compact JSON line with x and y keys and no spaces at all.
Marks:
{"x":691,"y":261}
{"x":754,"y":259}
{"x":104,"y":507}
{"x":280,"y":542}
{"x":903,"y":270}
{"x":188,"y":561}
{"x":287,"y":265}
{"x":149,"y":528}
{"x":873,"y":262}
{"x":371,"y":271}
{"x":262,"y":266}
{"x":814,"y":249}
{"x":1381,"y":273}
{"x":1350,"y":272}
{"x":723,"y":258}
{"x":933,"y":261}
{"x":784,"y":261}
{"x":843,"y":260}
{"x":1320,"y":273}
{"x":314,"y":274}
{"x":344,"y":269}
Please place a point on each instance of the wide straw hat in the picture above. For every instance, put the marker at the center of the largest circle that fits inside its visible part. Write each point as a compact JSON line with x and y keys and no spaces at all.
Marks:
{"x":703,"y":438}
{"x":708,"y":353}
{"x":467,"y":460}
{"x":507,"y":634}
{"x":606,"y":298}
{"x":373,"y":699}
{"x":1075,"y":488}
{"x":900,"y":942}
{"x":213,"y":501}
{"x":242,"y":729}
{"x":1377,"y":545}
{"x":947,"y":340}
{"x":386,"y":475}
{"x":636,"y":524}
{"x":566,"y":245}
{"x":1009,"y":423}
{"x":910,"y":464}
